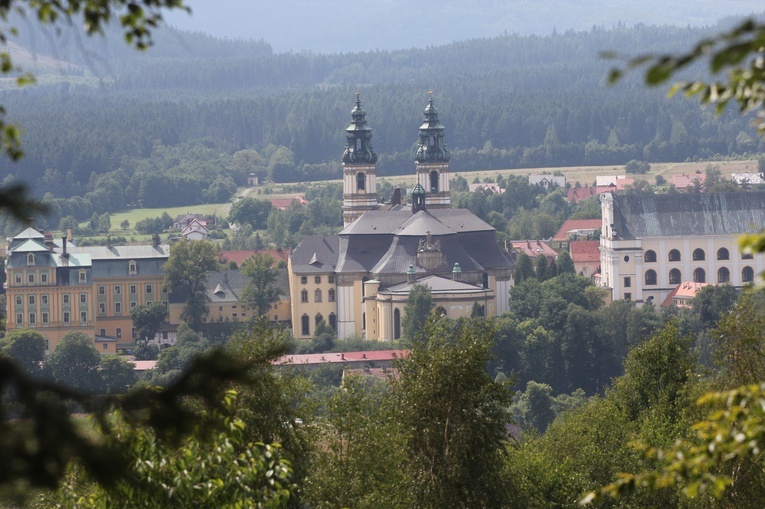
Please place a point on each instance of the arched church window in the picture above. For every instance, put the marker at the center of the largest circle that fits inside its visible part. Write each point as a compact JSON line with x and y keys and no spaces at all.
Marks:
{"x":723,"y":275}
{"x":333,"y":321}
{"x":318,"y":318}
{"x":699,"y":276}
{"x":747,"y":275}
{"x":396,"y":324}
{"x":305,"y":323}
{"x":674,"y":255}
{"x":361,"y":179}
{"x":434,"y":181}
{"x":675,"y":277}
{"x":650,"y":256}
{"x":650,"y":277}
{"x":698,"y":254}
{"x":723,"y":254}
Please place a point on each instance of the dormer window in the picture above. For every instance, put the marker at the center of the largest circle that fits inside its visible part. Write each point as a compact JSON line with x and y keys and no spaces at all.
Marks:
{"x":30,"y":259}
{"x":83,"y":276}
{"x":133,"y":268}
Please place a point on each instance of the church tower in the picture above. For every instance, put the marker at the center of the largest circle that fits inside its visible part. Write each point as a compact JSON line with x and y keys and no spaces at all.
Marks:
{"x":359,"y":171}
{"x":432,"y":160}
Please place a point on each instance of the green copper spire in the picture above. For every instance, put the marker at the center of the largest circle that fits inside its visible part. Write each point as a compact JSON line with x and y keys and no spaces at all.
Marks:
{"x":432,"y":148}
{"x":358,"y":143}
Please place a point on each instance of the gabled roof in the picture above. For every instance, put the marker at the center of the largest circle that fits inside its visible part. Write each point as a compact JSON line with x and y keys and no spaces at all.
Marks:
{"x":576,"y":224}
{"x":30,"y":246}
{"x":29,"y":233}
{"x":688,"y":180}
{"x":688,"y":214}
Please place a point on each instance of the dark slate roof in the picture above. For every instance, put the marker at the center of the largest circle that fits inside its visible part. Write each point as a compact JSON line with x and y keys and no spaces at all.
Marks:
{"x":124,"y":252}
{"x":225,"y":285}
{"x":317,"y":253}
{"x":688,"y":214}
{"x":403,"y":222}
{"x":105,"y":268}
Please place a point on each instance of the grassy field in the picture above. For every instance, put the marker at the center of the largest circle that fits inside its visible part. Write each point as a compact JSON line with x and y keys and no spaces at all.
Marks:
{"x":587,"y":174}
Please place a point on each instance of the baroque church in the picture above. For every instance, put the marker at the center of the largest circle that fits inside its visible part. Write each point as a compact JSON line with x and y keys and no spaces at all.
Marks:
{"x":358,"y":281}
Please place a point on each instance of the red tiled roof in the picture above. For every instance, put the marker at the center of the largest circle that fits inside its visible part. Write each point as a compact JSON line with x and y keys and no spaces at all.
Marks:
{"x":576,"y":194}
{"x":341,"y":358}
{"x":685,"y":291}
{"x":284,"y":203}
{"x":241,"y":255}
{"x":534,"y":248}
{"x":585,"y":250}
{"x":144,"y":365}
{"x":576,"y":224}
{"x":686,"y":180}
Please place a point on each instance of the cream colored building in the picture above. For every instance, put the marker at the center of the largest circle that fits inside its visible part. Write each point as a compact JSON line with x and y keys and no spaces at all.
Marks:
{"x":359,"y":280}
{"x":652,"y":243}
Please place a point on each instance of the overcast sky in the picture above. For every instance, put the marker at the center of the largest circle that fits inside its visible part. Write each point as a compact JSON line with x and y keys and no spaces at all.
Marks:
{"x":324,"y":26}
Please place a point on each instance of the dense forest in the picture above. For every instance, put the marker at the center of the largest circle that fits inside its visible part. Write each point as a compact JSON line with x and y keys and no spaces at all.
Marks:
{"x":200,"y":113}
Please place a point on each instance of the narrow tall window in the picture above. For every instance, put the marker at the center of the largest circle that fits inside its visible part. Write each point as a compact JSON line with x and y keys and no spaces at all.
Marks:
{"x":305,"y":323}
{"x":396,"y":324}
{"x":433,"y":181}
{"x":361,"y":181}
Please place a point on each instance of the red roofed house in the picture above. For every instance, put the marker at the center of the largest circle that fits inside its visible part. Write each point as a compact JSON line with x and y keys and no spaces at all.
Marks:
{"x":576,"y":194}
{"x":685,"y":181}
{"x":195,"y":230}
{"x":534,"y":248}
{"x":586,"y":256}
{"x":684,"y":292}
{"x":576,"y":229}
{"x":285,"y":203}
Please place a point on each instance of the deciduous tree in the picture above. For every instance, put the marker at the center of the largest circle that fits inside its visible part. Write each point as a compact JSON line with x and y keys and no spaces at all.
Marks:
{"x":260,"y":292}
{"x":418,"y":306}
{"x":147,"y":319}
{"x":27,"y":349}
{"x":186,"y":271}
{"x":74,"y":363}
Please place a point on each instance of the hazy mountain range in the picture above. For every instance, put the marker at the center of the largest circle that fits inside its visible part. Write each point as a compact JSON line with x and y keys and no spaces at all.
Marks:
{"x":331,"y":26}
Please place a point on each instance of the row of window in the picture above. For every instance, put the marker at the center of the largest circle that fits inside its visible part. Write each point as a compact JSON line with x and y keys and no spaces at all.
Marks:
{"x":118,"y":289}
{"x":31,"y":277}
{"x":699,"y":276}
{"x":317,"y":295}
{"x":697,"y":255}
{"x":65,"y":299}
{"x":317,"y":280}
{"x":305,"y":322}
{"x":45,"y":320}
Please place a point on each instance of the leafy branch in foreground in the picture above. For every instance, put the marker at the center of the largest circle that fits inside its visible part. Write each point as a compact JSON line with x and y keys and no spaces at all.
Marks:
{"x":740,"y":52}
{"x":39,"y":436}
{"x":733,"y":433}
{"x":214,"y":468}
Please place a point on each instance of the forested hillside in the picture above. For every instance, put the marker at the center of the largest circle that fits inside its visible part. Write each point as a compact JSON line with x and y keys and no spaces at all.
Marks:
{"x":199,"y":113}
